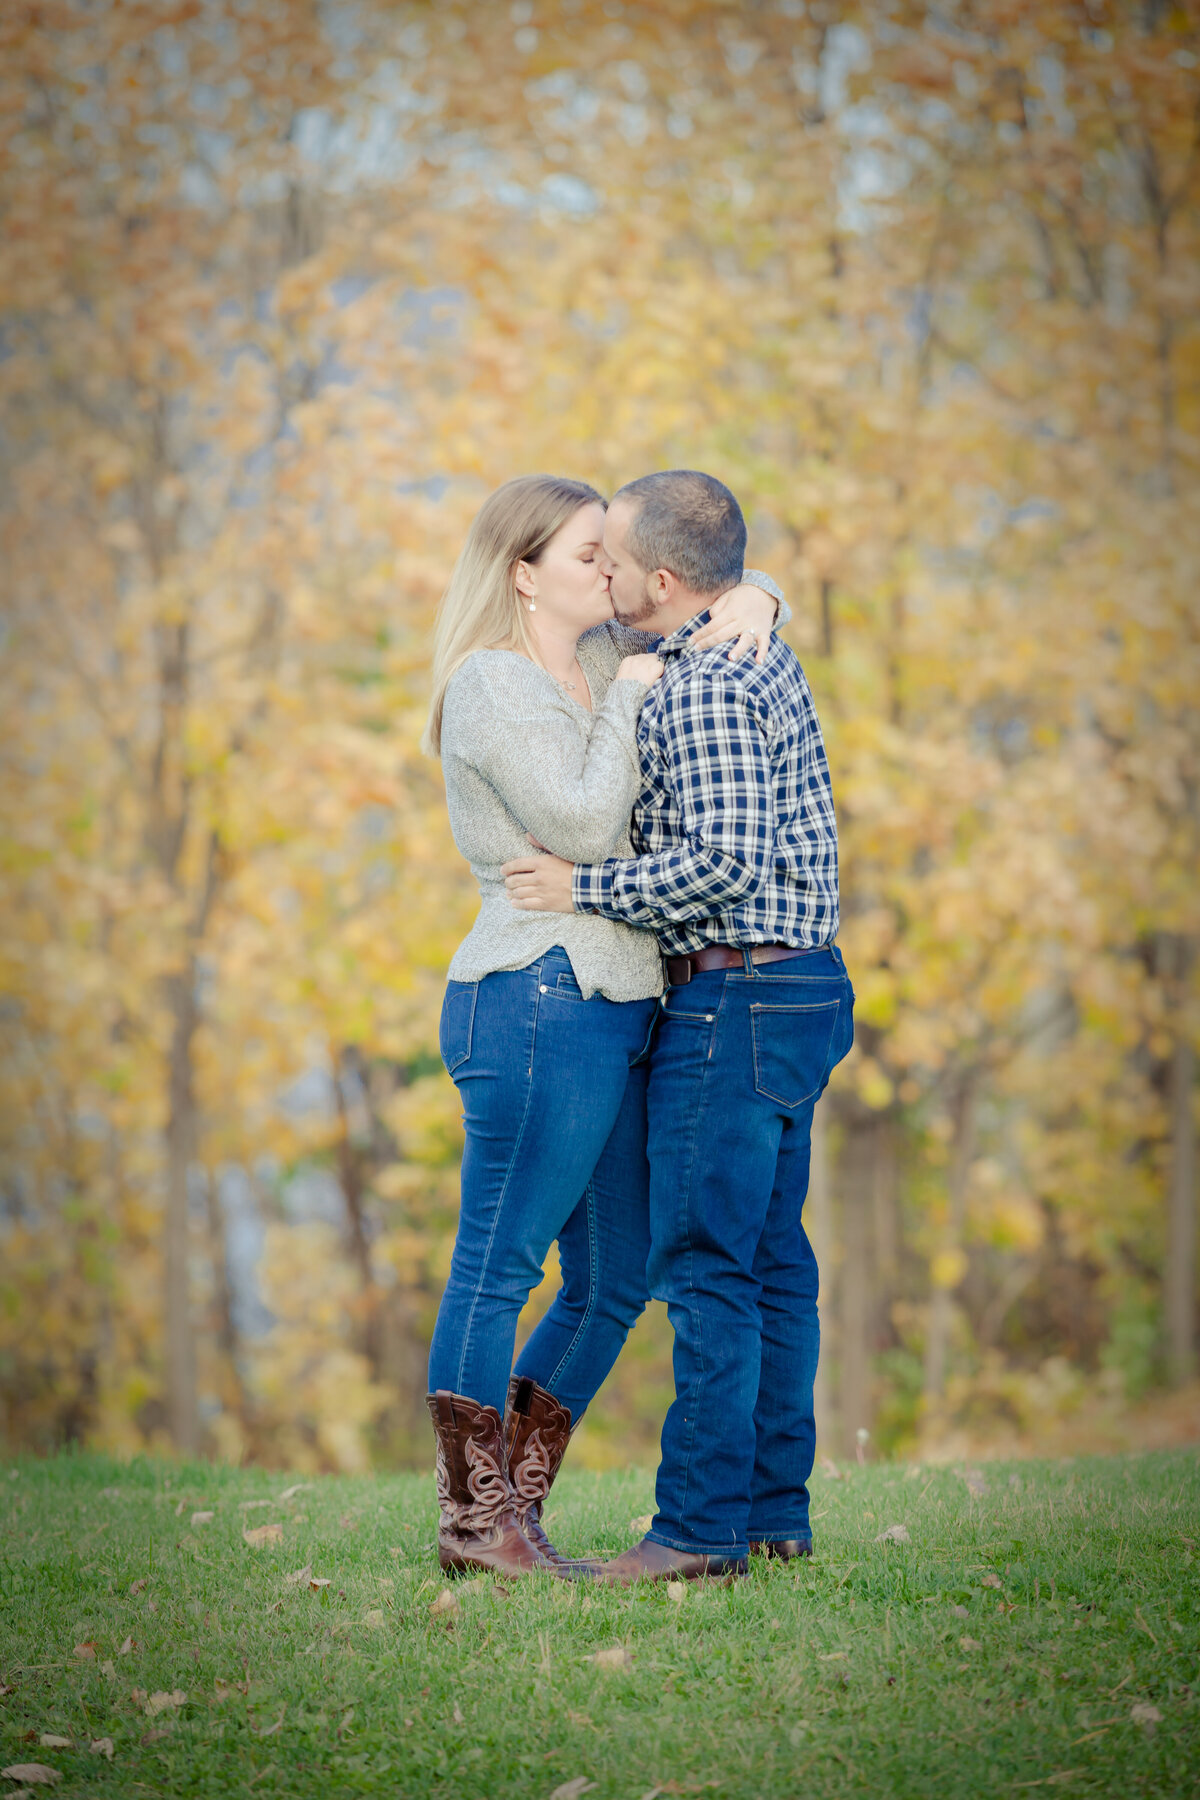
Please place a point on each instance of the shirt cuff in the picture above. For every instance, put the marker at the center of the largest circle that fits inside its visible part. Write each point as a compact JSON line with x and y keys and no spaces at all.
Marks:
{"x":591,"y":888}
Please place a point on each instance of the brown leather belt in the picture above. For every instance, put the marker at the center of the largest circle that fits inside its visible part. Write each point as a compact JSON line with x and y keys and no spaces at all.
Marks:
{"x":680,"y":969}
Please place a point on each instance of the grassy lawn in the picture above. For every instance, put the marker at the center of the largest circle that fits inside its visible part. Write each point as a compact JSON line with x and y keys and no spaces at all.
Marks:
{"x":1038,"y":1628}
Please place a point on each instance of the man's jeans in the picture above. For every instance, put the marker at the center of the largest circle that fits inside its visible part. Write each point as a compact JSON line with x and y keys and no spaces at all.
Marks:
{"x":555,"y":1121}
{"x":739,"y":1061}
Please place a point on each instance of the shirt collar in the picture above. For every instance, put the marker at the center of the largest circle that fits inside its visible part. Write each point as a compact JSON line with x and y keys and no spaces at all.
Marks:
{"x":683,"y":634}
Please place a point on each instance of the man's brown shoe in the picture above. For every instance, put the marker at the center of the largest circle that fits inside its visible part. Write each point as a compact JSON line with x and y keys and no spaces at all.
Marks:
{"x":781,"y":1549}
{"x":650,"y":1561}
{"x":478,"y":1526}
{"x":537,"y":1430}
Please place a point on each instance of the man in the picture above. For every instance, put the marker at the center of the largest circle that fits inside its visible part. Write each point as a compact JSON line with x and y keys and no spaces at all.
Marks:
{"x":737,"y":874}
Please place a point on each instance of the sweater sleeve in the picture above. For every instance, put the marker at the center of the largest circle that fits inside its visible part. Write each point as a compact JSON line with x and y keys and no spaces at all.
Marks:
{"x":574,"y":796}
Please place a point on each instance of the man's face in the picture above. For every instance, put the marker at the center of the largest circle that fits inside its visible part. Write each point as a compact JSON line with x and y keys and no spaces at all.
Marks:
{"x":628,"y":582}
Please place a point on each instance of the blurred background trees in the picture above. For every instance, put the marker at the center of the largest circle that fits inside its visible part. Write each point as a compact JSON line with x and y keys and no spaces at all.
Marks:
{"x":285,"y":289}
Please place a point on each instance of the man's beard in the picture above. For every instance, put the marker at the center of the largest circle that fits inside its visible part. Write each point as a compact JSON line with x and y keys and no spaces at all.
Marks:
{"x":645,"y":609}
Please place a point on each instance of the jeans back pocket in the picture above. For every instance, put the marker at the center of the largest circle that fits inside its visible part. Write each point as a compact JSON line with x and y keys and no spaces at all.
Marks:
{"x":457,"y":1023}
{"x":792,"y":1050}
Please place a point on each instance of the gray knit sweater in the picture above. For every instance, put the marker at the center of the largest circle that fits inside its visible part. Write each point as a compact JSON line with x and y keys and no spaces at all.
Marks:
{"x":520,"y":755}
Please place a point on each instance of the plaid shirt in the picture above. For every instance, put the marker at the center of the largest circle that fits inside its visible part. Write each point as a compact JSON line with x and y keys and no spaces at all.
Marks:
{"x":734,"y":820}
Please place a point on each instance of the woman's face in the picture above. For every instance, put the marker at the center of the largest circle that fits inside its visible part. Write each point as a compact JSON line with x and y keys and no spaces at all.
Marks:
{"x":567,"y":584}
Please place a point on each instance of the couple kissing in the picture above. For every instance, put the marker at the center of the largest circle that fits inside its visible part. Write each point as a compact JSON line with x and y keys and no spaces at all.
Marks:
{"x":640,"y":1021}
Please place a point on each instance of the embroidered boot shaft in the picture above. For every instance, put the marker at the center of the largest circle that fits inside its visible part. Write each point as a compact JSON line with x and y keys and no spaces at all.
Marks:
{"x":537,"y":1430}
{"x":478,"y":1526}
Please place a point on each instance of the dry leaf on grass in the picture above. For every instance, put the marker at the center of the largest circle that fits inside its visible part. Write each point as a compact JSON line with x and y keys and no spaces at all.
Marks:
{"x":348,"y":1522}
{"x":676,"y":1591}
{"x":102,"y":1747}
{"x":127,"y":1647}
{"x":1144,"y":1714}
{"x":203,"y":1518}
{"x":263,"y":1534}
{"x":615,"y":1657}
{"x":835,"y":1656}
{"x":253,"y":1505}
{"x":374,"y":1618}
{"x":50,"y":1740}
{"x":86,"y":1652}
{"x":895,"y":1534}
{"x":976,"y":1485}
{"x":297,"y":1487}
{"x":135,"y":1587}
{"x":161,"y":1701}
{"x":992,"y":1581}
{"x":35,"y":1772}
{"x":571,"y":1790}
{"x":446,"y":1606}
{"x":969,"y":1643}
{"x":154,"y":1737}
{"x":297,"y":1576}
{"x":318,"y":1582}
{"x":108,"y":1669}
{"x":458,"y":1714}
{"x":641,"y":1525}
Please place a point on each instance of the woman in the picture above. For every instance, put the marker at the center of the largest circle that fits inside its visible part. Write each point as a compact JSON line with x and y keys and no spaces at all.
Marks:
{"x":547,"y":1018}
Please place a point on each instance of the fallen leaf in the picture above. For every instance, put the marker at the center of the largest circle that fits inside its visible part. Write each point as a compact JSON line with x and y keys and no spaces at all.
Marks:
{"x":571,"y":1790}
{"x":298,"y":1576}
{"x":109,"y":1669}
{"x":677,"y":1591}
{"x":86,"y":1652}
{"x":446,"y":1606}
{"x":50,"y":1740}
{"x":1143,"y":1714}
{"x":4,"y":1690}
{"x":992,"y":1581}
{"x":969,"y":1643}
{"x":34,"y":1772}
{"x":835,"y":1656}
{"x":641,"y":1526}
{"x":263,"y":1534}
{"x":253,"y":1505}
{"x":102,"y":1747}
{"x":961,"y":1612}
{"x":458,"y":1714}
{"x":155,"y":1737}
{"x":374,"y":1618}
{"x":395,"y":1550}
{"x":127,"y":1647}
{"x":895,"y":1534}
{"x":203,"y":1518}
{"x":976,"y":1485}
{"x":317,"y":1582}
{"x":615,"y":1657}
{"x":348,"y":1522}
{"x":270,"y":1730}
{"x":160,"y":1701}
{"x":223,"y":1690}
{"x":297,"y":1487}
{"x":135,"y":1587}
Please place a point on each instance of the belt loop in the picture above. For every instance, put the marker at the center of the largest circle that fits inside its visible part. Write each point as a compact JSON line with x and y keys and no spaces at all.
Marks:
{"x":747,"y":961}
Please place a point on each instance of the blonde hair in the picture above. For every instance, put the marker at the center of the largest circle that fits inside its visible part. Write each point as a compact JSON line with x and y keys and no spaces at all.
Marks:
{"x":481,"y":608}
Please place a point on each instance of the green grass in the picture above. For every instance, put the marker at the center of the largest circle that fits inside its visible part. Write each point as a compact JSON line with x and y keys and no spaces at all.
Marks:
{"x":881,"y":1668}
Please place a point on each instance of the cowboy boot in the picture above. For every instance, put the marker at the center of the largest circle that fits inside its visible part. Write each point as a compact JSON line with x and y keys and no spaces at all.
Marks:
{"x":537,"y":1431}
{"x":652,"y":1561}
{"x":477,"y":1527}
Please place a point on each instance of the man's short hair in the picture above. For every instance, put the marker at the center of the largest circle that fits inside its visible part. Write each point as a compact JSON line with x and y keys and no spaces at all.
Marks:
{"x":688,"y":523}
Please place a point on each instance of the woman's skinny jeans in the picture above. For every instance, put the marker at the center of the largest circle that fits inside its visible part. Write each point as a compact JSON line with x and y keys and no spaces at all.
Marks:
{"x":553,"y":1089}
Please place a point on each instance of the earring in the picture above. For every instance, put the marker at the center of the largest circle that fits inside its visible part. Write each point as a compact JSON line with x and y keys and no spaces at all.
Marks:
{"x":533,"y":606}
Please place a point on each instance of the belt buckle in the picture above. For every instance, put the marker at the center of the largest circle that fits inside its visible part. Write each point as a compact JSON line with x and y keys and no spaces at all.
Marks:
{"x":683,"y":979}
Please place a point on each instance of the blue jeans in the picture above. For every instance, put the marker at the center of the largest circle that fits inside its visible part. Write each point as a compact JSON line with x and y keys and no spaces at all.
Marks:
{"x":739,"y":1061}
{"x":553,"y":1089}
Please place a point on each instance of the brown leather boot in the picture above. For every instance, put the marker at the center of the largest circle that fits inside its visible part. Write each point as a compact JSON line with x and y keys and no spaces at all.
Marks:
{"x":649,"y":1561}
{"x":537,"y":1431}
{"x":478,"y":1527}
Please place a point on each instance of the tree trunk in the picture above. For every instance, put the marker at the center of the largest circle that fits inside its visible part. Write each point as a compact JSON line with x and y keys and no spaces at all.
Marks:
{"x":854,"y":1321}
{"x":181,"y":1140}
{"x":233,"y":1389}
{"x":350,"y":1172}
{"x":1180,"y":1276}
{"x":946,"y":1277}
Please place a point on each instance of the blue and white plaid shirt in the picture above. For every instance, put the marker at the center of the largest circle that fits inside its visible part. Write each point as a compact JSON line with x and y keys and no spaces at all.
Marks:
{"x":734,"y":821}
